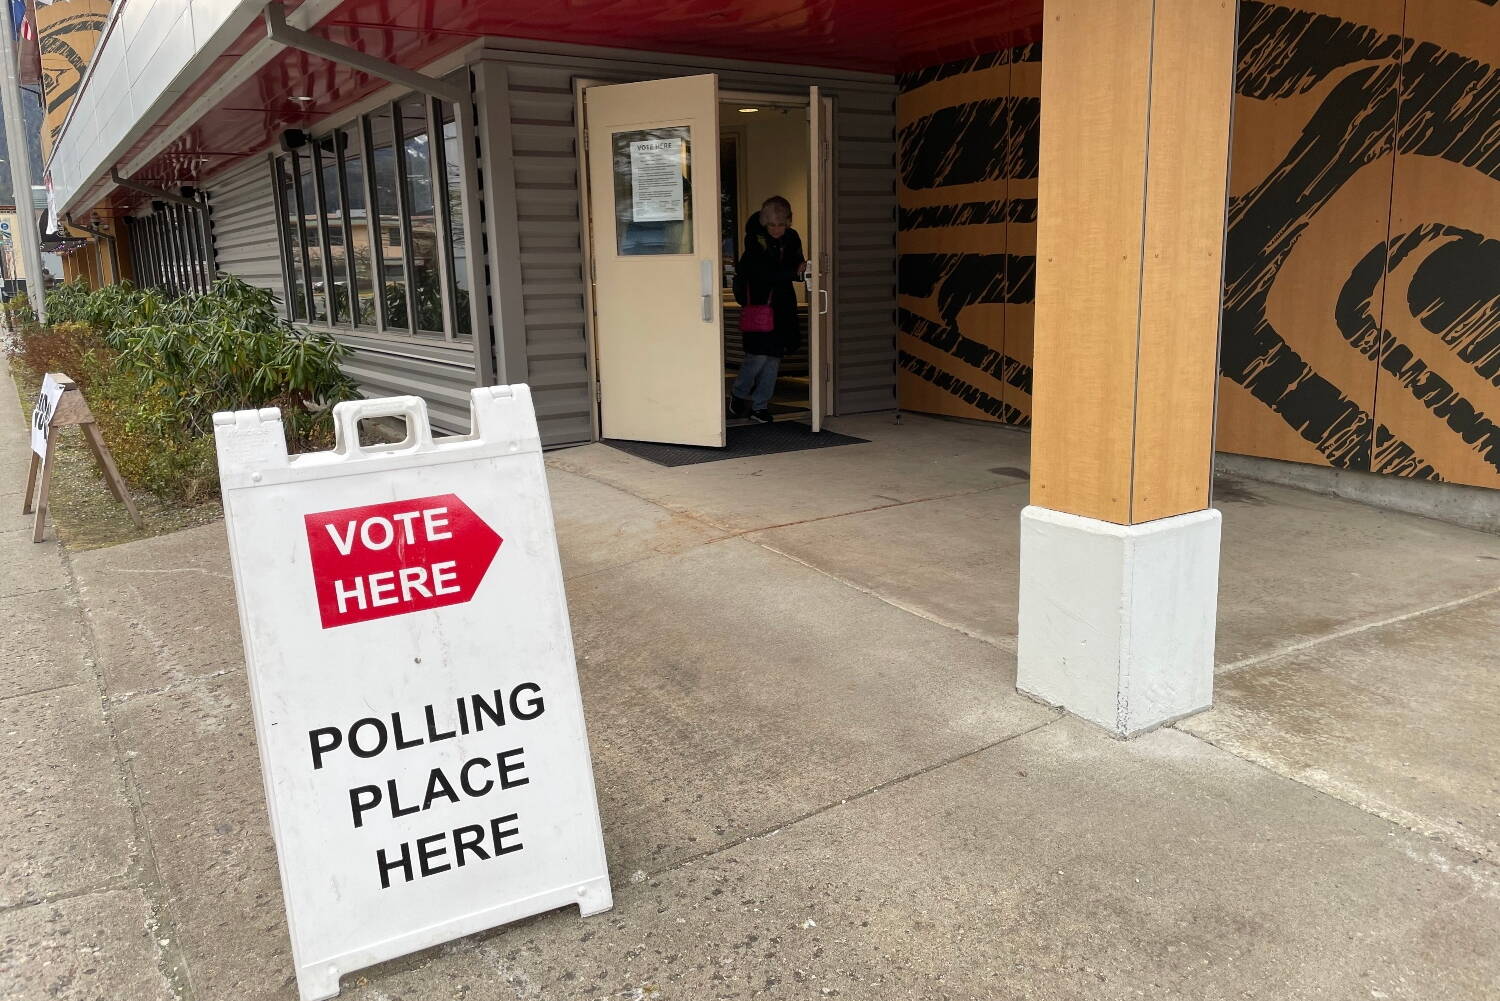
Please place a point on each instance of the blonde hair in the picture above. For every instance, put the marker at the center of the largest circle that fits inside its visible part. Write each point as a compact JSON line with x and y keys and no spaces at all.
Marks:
{"x":776,"y":210}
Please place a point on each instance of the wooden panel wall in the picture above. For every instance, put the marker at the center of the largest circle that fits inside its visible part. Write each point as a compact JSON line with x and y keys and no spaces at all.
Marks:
{"x":1361,"y":324}
{"x":967,"y":139}
{"x":1362,"y":300}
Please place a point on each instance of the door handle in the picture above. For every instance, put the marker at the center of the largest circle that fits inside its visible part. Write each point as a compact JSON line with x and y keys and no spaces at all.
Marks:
{"x":825,"y":302}
{"x":706,"y":269}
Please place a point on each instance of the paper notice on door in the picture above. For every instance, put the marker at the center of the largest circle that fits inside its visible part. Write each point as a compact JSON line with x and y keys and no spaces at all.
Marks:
{"x":656,"y":180}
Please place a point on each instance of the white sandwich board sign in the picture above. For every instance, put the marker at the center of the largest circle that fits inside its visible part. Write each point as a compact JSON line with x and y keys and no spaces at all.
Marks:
{"x":411,"y":671}
{"x":42,"y":411}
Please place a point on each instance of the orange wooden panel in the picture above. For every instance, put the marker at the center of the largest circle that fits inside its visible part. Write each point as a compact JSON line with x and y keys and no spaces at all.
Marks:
{"x":1437,"y":398}
{"x":1311,"y":168}
{"x":951,"y":347}
{"x":1267,"y":433}
{"x":1192,"y":90}
{"x":1095,"y":102}
{"x":1020,"y":242}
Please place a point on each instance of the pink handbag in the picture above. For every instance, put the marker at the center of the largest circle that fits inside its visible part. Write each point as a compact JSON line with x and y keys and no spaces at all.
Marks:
{"x":756,"y":319}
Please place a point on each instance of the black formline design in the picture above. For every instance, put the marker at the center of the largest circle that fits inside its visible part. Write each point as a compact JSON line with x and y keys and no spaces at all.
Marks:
{"x":1430,"y":103}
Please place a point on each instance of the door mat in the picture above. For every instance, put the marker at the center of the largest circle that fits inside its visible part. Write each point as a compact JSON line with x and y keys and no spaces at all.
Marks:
{"x":756,"y":439}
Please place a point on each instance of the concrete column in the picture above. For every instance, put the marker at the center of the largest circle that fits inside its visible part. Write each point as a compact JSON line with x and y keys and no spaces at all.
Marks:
{"x":1119,"y":551}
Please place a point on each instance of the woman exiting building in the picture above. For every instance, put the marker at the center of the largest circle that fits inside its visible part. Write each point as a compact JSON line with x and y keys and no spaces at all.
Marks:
{"x":763,"y":278}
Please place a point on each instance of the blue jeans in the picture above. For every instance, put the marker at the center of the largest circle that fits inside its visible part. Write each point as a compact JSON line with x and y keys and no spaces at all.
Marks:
{"x":757,"y":380}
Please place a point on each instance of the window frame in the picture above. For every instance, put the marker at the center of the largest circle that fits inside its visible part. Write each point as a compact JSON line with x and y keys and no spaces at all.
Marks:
{"x":358,"y":129}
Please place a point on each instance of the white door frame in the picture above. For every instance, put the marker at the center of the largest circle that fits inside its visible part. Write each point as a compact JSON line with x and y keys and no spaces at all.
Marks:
{"x":823,"y":199}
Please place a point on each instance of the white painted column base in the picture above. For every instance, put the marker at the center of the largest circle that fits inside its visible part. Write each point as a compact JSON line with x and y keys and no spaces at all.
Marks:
{"x":1117,"y":621}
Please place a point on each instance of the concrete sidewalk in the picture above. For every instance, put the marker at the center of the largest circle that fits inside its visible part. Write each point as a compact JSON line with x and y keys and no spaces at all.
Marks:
{"x":815,"y":777}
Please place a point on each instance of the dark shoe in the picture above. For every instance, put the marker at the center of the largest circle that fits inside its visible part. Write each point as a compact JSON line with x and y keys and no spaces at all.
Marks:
{"x":764,"y":416}
{"x":738,"y":409}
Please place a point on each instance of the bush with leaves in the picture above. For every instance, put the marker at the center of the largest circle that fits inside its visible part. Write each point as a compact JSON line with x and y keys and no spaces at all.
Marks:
{"x":231,"y":350}
{"x":156,"y":368}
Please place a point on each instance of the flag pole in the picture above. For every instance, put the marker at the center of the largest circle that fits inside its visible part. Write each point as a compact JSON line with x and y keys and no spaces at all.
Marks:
{"x":20,"y":166}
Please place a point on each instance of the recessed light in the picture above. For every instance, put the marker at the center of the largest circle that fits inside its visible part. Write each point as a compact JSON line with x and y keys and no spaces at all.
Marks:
{"x":301,"y":98}
{"x":748,"y":111}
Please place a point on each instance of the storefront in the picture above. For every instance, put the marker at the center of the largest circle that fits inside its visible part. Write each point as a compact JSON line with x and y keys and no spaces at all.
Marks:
{"x":1043,"y":222}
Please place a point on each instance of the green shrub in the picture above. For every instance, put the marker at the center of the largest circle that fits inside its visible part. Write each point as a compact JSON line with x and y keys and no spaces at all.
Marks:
{"x":155,"y":370}
{"x":21,"y":313}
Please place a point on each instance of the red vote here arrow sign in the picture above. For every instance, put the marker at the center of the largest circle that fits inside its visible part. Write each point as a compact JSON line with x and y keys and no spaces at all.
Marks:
{"x":402,"y":556}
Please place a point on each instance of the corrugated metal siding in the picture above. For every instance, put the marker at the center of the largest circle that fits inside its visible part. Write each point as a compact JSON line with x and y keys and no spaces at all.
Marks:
{"x":242,"y":212}
{"x":864,"y":243}
{"x":246,"y":242}
{"x":552,"y":292}
{"x":440,"y":374}
{"x":546,"y":169}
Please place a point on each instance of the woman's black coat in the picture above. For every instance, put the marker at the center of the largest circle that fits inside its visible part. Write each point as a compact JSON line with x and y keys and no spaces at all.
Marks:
{"x":764,"y":274}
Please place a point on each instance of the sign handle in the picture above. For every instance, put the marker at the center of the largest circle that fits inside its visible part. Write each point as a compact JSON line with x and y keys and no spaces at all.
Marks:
{"x":39,"y":526}
{"x":347,"y":415}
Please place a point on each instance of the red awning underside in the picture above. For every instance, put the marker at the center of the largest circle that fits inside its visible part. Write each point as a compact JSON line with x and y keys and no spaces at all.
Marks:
{"x":876,"y":36}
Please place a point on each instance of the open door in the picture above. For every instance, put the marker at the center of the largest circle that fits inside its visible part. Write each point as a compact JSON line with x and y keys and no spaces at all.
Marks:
{"x":819,"y":298}
{"x":653,"y":162}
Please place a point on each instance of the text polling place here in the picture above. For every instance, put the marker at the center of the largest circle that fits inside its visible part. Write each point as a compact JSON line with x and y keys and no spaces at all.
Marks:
{"x":416,"y":698}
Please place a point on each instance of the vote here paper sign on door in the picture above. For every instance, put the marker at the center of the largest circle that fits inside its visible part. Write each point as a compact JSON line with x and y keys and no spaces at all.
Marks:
{"x":412,"y":675}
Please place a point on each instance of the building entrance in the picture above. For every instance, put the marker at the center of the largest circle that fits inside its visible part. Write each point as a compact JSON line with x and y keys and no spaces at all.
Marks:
{"x":676,"y":174}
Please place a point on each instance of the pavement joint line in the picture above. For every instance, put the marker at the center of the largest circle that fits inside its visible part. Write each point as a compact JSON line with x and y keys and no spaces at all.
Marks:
{"x":146,"y":867}
{"x":884,"y":507}
{"x":1448,"y":838}
{"x":113,"y":885}
{"x":41,"y":691}
{"x":731,"y":532}
{"x":39,"y":590}
{"x":1308,"y":644}
{"x":153,"y":570}
{"x":910,"y":610}
{"x":121,"y":698}
{"x":846,"y":800}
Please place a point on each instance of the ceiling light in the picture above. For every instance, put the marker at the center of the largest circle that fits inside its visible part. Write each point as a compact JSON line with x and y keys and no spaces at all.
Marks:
{"x":301,"y":98}
{"x":747,"y":111}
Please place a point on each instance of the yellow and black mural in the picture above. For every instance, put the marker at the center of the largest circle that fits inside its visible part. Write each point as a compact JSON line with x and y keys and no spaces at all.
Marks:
{"x":1362,"y":271}
{"x":68,"y":32}
{"x":967,"y":138}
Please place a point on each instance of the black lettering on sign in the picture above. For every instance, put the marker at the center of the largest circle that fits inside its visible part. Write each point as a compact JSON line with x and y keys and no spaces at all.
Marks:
{"x":428,"y":856}
{"x":370,"y":736}
{"x":439,"y":787}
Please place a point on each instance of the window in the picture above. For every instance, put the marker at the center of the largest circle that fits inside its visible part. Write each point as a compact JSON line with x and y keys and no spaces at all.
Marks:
{"x":169,"y":248}
{"x":373,"y":231}
{"x":307,"y":226}
{"x":456,"y":247}
{"x":293,"y":266}
{"x":357,"y":219}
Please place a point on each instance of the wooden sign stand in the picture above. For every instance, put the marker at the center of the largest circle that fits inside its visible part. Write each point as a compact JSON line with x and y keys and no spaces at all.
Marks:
{"x":72,"y":411}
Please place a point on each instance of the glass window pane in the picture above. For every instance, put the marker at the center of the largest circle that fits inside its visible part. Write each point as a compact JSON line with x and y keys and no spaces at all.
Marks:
{"x":297,"y":308}
{"x":333,"y":220}
{"x":359,"y":226}
{"x":427,"y":292}
{"x":729,"y":204}
{"x":453,"y":160}
{"x":311,"y":239}
{"x":653,"y":192}
{"x":390,"y":256}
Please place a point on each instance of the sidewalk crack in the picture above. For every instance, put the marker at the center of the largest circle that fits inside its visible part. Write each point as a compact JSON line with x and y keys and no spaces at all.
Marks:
{"x":845,"y":801}
{"x":111,"y":885}
{"x":1260,"y":658}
